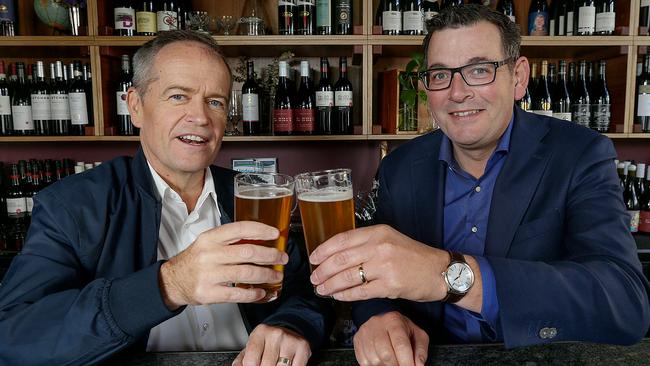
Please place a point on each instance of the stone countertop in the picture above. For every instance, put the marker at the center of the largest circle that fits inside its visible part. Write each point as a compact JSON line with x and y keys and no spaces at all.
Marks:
{"x":568,"y":353}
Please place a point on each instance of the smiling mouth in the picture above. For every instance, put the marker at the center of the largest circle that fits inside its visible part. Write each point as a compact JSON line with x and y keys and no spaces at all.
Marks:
{"x":192,"y":139}
{"x":465,"y":113}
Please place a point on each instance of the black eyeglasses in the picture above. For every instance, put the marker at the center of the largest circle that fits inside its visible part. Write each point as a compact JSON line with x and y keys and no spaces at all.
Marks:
{"x":480,"y":73}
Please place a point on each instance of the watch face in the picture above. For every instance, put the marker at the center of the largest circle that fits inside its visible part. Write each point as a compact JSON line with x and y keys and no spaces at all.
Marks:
{"x":460,"y":277}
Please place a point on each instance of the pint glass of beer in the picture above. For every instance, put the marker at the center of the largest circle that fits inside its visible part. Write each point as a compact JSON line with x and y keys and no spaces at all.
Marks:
{"x":326,"y":205}
{"x":265,"y":198}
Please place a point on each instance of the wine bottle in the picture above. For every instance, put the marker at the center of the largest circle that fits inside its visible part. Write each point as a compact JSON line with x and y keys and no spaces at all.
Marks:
{"x":644,"y":17}
{"x":283,"y":106}
{"x":580,"y":102}
{"x":412,"y":22}
{"x":553,"y":18}
{"x":78,"y":103}
{"x":88,"y":89}
{"x":448,"y":3}
{"x":391,"y":17}
{"x":560,"y":23}
{"x":538,"y":18}
{"x":304,"y":113}
{"x":15,"y":197}
{"x":562,"y":99}
{"x":507,"y":7}
{"x":533,"y":84}
{"x":570,"y":18}
{"x":644,"y":206}
{"x":286,"y":10}
{"x":571,"y":82}
{"x":6,"y":122}
{"x":250,"y":102}
{"x":643,"y":96}
{"x":124,"y":125}
{"x":166,"y":16}
{"x":542,"y":103}
{"x":586,"y":14}
{"x":59,"y":103}
{"x":343,"y":102}
{"x":343,"y":17}
{"x":41,"y":110}
{"x":145,"y":17}
{"x":324,"y":17}
{"x":605,"y":17}
{"x":324,"y":100}
{"x":430,"y":9}
{"x":600,"y":101}
{"x":305,"y":17}
{"x":124,"y":15}
{"x":525,"y":102}
{"x":21,"y":104}
{"x":631,"y":199}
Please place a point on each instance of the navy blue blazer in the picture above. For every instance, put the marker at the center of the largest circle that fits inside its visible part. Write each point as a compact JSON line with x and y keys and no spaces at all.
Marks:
{"x":558,"y":237}
{"x":85,"y":285}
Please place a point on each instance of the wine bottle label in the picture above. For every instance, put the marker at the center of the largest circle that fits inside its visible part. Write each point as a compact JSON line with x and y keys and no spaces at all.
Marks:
{"x":643,"y":101}
{"x":305,"y":2}
{"x":324,"y":99}
{"x":60,"y":106}
{"x":543,"y":112}
{"x":634,"y":220}
{"x":16,"y":206}
{"x":146,"y":22}
{"x":30,"y":204}
{"x":413,"y":21}
{"x":561,"y":26}
{"x":428,"y":15}
{"x":167,"y":20}
{"x":122,"y":107}
{"x":391,"y":21}
{"x":323,"y":14}
{"x":569,"y":23}
{"x":581,"y":114}
{"x":586,"y":19}
{"x":286,"y":3}
{"x":78,"y":109}
{"x":644,"y":220}
{"x":124,"y":18}
{"x":343,"y":98}
{"x":22,"y":116}
{"x":563,"y":116}
{"x":304,"y":120}
{"x":5,"y":105}
{"x":645,"y":3}
{"x":251,"y":107}
{"x":41,"y":110}
{"x":605,"y":22}
{"x":538,"y":23}
{"x":282,"y":120}
{"x":551,"y":27}
{"x":343,"y":10}
{"x":601,"y":115}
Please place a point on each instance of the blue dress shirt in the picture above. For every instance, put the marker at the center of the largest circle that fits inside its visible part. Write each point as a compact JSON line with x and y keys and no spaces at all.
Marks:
{"x":466,"y":216}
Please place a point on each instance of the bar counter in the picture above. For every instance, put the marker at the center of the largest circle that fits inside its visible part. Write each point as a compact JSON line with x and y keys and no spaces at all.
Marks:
{"x":569,"y":353}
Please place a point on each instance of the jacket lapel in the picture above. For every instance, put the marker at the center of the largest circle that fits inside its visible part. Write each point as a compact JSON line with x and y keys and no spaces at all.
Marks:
{"x":151,"y":204}
{"x":428,"y":181}
{"x":517,"y":182}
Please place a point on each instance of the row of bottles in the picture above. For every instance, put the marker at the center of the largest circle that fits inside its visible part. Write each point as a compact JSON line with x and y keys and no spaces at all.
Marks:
{"x":577,"y":97}
{"x":643,"y":95}
{"x":124,"y":125}
{"x":36,"y":105}
{"x":568,"y":17}
{"x":308,"y":17}
{"x":635,"y":182}
{"x":408,"y":17}
{"x":147,"y":18}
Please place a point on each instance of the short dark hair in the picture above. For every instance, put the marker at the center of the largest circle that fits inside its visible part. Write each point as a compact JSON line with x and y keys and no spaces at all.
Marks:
{"x":454,"y":17}
{"x":144,"y":57}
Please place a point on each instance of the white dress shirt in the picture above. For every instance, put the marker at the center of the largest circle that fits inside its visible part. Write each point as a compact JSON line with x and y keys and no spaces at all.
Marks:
{"x":217,"y":327}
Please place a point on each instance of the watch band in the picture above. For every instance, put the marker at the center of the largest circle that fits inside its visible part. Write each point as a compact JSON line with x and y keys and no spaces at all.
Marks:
{"x":453,"y":297}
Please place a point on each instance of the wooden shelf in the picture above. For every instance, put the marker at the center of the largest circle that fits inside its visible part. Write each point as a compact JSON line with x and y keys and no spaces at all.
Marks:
{"x":47,"y":41}
{"x":577,"y":41}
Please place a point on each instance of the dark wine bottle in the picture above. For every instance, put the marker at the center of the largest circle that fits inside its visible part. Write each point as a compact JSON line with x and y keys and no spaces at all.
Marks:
{"x":391,"y":17}
{"x":343,"y":17}
{"x":305,"y":17}
{"x":166,"y":16}
{"x":644,"y":18}
{"x":553,"y":18}
{"x":525,"y":102}
{"x":59,"y":103}
{"x":507,"y":7}
{"x":14,"y":196}
{"x":304,"y":113}
{"x":542,"y":103}
{"x":124,"y":15}
{"x":560,"y":22}
{"x":538,"y":18}
{"x":643,"y":96}
{"x":343,"y":102}
{"x":146,"y":23}
{"x":570,"y":17}
{"x":600,"y":101}
{"x":251,"y":102}
{"x":6,"y":122}
{"x":605,"y":17}
{"x":586,"y":15}
{"x":430,"y":9}
{"x":580,"y":101}
{"x":88,"y":89}
{"x":283,"y":106}
{"x":412,"y":22}
{"x":562,"y":99}
{"x":324,"y":17}
{"x":631,"y":199}
{"x":124,"y":125}
{"x":78,"y":103}
{"x":324,"y":100}
{"x":286,"y":11}
{"x":21,"y":104}
{"x":41,"y":110}
{"x":644,"y":214}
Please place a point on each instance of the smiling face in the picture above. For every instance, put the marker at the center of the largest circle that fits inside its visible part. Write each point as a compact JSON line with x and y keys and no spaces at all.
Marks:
{"x":474,"y":117}
{"x":182,"y":115}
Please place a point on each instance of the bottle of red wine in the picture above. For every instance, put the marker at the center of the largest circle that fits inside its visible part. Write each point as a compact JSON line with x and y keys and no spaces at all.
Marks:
{"x":324,"y":100}
{"x":412,"y":21}
{"x":600,"y":101}
{"x":343,"y":100}
{"x":538,"y":18}
{"x":6,"y":122}
{"x":145,"y":17}
{"x":562,"y":99}
{"x":124,"y":15}
{"x":305,"y":17}
{"x":283,"y":106}
{"x":304,"y":113}
{"x":251,"y":102}
{"x":88,"y":89}
{"x":430,"y":8}
{"x":15,"y":197}
{"x":605,"y":17}
{"x":570,"y":17}
{"x":542,"y":103}
{"x":166,"y":16}
{"x":78,"y":103}
{"x":124,"y":125}
{"x":59,"y":103}
{"x":631,"y":199}
{"x":343,"y":17}
{"x":580,"y":101}
{"x":507,"y":7}
{"x":324,"y":17}
{"x":286,"y":10}
{"x":41,"y":110}
{"x":391,"y":17}
{"x":21,"y":104}
{"x":643,"y":96}
{"x":586,"y":17}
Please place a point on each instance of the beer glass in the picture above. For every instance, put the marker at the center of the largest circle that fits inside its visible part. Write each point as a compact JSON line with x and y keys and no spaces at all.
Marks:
{"x":326,"y":205}
{"x":265,"y":198}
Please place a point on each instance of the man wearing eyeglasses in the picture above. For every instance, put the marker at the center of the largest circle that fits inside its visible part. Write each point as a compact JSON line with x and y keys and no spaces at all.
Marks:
{"x":502,"y":226}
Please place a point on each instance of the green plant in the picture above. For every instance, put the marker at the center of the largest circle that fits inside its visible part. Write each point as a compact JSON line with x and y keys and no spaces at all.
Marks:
{"x":408,"y":80}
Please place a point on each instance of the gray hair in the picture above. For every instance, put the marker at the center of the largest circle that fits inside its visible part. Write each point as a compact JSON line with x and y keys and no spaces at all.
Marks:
{"x":454,"y":17}
{"x":144,"y":57}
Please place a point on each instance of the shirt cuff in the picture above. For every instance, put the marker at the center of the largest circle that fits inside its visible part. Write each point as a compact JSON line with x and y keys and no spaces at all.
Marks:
{"x":490,"y":309}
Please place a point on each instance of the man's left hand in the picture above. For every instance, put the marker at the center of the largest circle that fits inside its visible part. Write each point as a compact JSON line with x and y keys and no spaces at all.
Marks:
{"x":271,"y":346}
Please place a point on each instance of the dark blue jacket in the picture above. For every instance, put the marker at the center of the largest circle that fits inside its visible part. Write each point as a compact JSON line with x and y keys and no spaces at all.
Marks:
{"x":558,"y":235}
{"x":85,"y":285}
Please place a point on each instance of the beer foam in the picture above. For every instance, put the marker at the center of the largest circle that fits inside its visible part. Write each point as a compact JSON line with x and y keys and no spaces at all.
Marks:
{"x":263,"y":192}
{"x":327,"y":195}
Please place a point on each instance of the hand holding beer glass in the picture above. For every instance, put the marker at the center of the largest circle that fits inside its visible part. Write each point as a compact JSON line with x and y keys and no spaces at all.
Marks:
{"x":265,"y":198}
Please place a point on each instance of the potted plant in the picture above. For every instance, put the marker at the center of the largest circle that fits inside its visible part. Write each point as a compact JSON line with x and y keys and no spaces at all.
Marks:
{"x":410,"y":94}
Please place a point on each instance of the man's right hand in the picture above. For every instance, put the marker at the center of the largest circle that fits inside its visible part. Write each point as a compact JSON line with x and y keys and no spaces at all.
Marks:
{"x":201,"y":274}
{"x":391,"y":339}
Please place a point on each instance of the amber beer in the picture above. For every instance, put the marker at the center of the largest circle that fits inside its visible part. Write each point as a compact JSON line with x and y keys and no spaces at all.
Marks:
{"x":271,"y":205}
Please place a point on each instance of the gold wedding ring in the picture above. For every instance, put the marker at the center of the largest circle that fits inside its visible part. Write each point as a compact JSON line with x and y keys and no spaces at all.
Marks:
{"x":362,"y":275}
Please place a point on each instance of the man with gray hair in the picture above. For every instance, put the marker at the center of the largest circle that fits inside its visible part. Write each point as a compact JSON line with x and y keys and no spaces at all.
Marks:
{"x":137,"y":252}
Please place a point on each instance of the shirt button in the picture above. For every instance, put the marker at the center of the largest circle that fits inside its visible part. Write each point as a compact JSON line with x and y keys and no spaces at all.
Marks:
{"x":474,"y":229}
{"x":477,"y":189}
